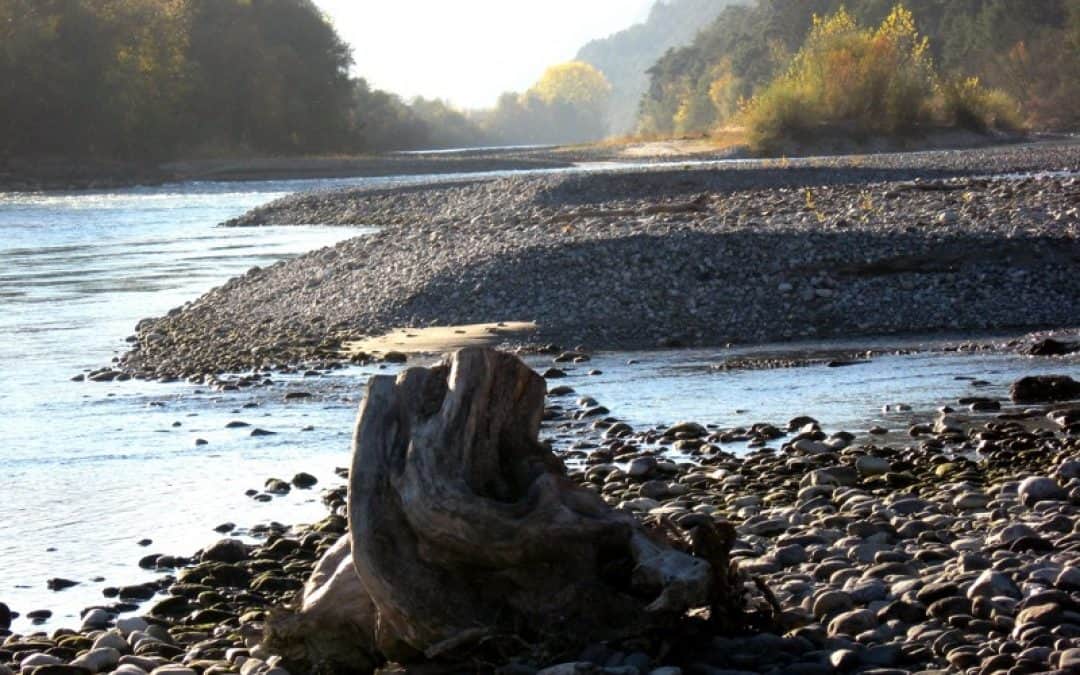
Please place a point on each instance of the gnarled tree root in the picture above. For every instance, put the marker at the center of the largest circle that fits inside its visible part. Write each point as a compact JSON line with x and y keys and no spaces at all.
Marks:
{"x":464,"y":528}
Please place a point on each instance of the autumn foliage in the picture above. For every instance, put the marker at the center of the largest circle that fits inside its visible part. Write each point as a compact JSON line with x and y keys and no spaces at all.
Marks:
{"x":869,"y":81}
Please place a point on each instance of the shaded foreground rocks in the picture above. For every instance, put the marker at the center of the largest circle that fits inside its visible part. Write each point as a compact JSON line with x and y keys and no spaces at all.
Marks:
{"x":963,"y":556}
{"x":467,"y":536}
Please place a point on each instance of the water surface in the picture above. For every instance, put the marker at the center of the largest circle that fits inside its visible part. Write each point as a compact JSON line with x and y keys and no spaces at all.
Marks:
{"x":89,"y":469}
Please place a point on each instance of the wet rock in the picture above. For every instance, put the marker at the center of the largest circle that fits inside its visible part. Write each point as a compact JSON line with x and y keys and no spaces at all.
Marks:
{"x":137,"y":592}
{"x":686,"y":430}
{"x":5,"y":617}
{"x":1044,"y":388}
{"x":59,"y":584}
{"x":276,"y":486}
{"x":225,"y":551}
{"x":1052,"y":347}
{"x":304,"y":480}
{"x":96,"y":618}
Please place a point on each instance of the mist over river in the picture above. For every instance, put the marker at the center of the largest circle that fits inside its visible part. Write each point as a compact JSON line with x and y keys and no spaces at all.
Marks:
{"x":90,"y":469}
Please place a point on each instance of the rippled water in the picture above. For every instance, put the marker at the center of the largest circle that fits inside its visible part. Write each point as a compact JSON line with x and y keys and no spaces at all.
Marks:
{"x":88,"y":469}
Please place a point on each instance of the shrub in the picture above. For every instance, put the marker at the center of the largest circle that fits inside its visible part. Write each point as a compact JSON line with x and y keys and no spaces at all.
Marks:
{"x":966,"y":103}
{"x":868,"y":81}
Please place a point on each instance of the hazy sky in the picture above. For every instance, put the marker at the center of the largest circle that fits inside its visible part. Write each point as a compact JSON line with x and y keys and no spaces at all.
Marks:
{"x":470,"y":51}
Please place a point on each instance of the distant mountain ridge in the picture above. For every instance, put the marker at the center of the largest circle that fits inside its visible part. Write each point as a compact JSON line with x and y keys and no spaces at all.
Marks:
{"x":624,"y":57}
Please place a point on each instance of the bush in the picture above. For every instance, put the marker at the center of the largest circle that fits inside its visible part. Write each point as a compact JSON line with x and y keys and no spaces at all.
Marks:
{"x":780,"y":113}
{"x":966,"y":103}
{"x":868,"y":82}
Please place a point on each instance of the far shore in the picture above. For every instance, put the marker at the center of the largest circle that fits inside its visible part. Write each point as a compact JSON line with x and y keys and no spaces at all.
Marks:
{"x":67,"y":174}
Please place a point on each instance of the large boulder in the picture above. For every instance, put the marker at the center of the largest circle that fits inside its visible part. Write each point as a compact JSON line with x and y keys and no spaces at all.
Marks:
{"x":1044,"y":388}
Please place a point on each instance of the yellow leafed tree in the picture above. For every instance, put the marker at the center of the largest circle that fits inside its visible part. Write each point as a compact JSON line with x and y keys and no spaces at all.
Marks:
{"x":575,"y":83}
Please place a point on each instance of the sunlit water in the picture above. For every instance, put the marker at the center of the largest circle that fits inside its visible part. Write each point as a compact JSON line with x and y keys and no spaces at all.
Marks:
{"x":88,"y":469}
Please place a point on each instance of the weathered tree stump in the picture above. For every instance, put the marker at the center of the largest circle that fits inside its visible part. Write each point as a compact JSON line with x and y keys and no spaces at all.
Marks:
{"x":465,"y":528}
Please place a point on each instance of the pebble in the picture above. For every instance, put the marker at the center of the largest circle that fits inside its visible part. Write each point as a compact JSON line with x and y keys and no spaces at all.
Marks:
{"x":1035,"y":489}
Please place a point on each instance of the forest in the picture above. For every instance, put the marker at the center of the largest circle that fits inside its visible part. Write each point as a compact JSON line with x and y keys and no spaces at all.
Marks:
{"x":987,"y":49}
{"x":159,"y":79}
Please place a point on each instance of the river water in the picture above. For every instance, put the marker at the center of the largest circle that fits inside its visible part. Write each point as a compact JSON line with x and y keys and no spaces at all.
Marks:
{"x":88,"y":470}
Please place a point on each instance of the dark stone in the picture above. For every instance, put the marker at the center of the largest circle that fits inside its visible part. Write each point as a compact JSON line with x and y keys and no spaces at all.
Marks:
{"x":225,"y":551}
{"x":276,"y":486}
{"x":297,"y":395}
{"x":937,"y":591}
{"x":59,"y":584}
{"x":236,"y":424}
{"x":1052,"y":347}
{"x":5,"y":617}
{"x":137,"y":592}
{"x":59,"y":669}
{"x":172,"y":561}
{"x":262,"y":432}
{"x":269,"y":582}
{"x":1044,"y":388}
{"x":210,"y":616}
{"x":172,"y":607}
{"x":304,"y":480}
{"x":946,"y":607}
{"x":395,"y":357}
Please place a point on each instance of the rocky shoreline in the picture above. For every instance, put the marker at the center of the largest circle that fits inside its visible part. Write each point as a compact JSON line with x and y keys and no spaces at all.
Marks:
{"x":753,"y":252}
{"x":948,"y":545}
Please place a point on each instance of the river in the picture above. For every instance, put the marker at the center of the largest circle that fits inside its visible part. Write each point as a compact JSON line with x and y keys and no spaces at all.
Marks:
{"x":89,"y":470}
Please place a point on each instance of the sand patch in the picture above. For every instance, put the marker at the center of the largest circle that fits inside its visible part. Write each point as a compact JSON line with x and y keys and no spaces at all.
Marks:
{"x":438,"y":339}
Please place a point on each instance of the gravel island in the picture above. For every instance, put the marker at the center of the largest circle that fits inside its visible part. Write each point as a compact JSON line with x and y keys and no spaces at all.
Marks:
{"x":698,"y":255}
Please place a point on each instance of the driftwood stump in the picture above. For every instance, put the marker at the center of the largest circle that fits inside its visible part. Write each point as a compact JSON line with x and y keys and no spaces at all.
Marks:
{"x":464,"y":528}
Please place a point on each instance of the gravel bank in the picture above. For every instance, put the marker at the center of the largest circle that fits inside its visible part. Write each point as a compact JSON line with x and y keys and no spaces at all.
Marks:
{"x":762,"y":251}
{"x":947,"y":543}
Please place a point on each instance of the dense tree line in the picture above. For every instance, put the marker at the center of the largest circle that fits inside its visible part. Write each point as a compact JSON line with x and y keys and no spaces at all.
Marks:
{"x":1030,"y":50}
{"x":159,"y":78}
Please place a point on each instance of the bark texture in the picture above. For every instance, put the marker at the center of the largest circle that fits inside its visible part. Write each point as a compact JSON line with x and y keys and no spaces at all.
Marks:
{"x":465,"y":529}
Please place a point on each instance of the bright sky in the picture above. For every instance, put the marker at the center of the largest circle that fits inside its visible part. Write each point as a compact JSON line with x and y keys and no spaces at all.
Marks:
{"x":470,"y":51}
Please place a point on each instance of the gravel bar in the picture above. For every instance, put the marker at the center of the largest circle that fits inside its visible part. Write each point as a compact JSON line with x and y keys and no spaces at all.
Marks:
{"x":754,"y":251}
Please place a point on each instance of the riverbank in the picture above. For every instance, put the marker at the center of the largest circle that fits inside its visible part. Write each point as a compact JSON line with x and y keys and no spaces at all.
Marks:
{"x":934,"y":545}
{"x":70,"y":175}
{"x":67,"y":174}
{"x":746,"y":252}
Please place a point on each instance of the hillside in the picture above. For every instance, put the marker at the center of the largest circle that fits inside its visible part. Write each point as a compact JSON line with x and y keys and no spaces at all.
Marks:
{"x":624,"y":57}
